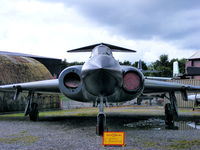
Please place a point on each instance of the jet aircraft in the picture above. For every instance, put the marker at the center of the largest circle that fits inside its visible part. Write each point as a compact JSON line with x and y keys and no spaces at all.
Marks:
{"x":102,"y":79}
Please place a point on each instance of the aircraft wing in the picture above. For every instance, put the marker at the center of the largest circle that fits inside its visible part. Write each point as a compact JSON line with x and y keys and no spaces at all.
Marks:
{"x":158,"y":78}
{"x":155,"y":86}
{"x":39,"y":86}
{"x":150,"y":86}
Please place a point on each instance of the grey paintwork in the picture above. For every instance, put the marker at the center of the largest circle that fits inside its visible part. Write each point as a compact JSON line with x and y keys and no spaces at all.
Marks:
{"x":101,"y":75}
{"x":153,"y":86}
{"x":43,"y":86}
{"x":90,"y":47}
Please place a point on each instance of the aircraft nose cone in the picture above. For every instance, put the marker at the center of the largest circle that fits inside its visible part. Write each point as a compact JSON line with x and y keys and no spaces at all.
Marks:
{"x":101,"y":75}
{"x":103,"y":62}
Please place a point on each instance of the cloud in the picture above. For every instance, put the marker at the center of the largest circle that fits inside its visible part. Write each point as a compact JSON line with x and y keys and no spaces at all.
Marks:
{"x":174,"y":21}
{"x":49,"y":28}
{"x":41,"y":28}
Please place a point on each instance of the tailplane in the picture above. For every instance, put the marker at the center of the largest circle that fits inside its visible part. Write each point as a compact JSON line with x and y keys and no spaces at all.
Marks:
{"x":90,"y":48}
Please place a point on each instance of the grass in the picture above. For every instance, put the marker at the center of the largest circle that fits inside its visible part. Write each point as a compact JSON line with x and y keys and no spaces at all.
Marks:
{"x":25,"y":138}
{"x":85,"y":111}
{"x":71,"y":112}
{"x":184,"y":144}
{"x":94,"y":111}
{"x":175,"y":144}
{"x":178,"y":144}
{"x":22,"y":137}
{"x":64,"y":98}
{"x":151,"y":144}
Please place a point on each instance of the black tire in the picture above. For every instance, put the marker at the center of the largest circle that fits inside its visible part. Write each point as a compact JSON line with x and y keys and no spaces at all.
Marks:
{"x":34,"y":114}
{"x":169,"y":118}
{"x":100,"y":125}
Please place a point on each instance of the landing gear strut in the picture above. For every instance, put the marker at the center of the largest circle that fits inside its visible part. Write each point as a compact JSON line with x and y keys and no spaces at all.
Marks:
{"x":171,"y":113}
{"x":34,"y":113}
{"x":101,"y":117}
{"x":31,"y":108}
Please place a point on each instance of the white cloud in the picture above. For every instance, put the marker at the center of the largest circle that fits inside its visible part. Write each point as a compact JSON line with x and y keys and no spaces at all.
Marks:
{"x":40,"y":28}
{"x":49,"y":29}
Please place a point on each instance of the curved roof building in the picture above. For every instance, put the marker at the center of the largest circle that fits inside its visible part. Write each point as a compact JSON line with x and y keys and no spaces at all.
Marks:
{"x":16,"y":69}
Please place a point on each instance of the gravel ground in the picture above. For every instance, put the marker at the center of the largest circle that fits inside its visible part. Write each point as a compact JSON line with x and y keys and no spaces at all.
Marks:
{"x":73,"y":132}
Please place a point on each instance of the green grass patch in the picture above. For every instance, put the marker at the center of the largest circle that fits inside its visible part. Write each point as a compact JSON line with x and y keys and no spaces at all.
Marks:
{"x":180,"y":144}
{"x":94,"y":111}
{"x":22,"y":137}
{"x":150,"y":144}
{"x":71,"y":112}
{"x":64,"y":98}
{"x":183,"y":144}
{"x":12,"y":115}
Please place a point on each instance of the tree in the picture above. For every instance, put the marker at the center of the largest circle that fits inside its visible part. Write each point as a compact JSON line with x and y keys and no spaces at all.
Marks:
{"x":126,"y":62}
{"x":163,"y":66}
{"x":64,"y":64}
{"x":181,"y":64}
{"x":144,"y":65}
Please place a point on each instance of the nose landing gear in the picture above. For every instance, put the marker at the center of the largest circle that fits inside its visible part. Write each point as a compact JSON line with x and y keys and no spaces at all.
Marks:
{"x":101,"y":117}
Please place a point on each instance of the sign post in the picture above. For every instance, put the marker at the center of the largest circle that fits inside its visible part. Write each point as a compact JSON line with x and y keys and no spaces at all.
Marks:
{"x":113,"y":139}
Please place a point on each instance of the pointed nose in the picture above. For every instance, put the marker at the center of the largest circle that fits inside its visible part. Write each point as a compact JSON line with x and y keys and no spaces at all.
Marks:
{"x":101,"y":75}
{"x":103,"y":62}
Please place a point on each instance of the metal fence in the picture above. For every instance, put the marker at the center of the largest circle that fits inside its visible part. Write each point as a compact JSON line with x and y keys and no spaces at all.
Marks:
{"x":180,"y":101}
{"x":45,"y":101}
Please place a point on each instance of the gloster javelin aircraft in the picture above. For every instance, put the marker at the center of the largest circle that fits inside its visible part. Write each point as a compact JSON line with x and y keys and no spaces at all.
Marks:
{"x":102,"y":79}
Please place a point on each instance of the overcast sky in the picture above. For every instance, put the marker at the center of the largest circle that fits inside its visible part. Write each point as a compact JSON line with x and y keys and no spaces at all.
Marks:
{"x":50,"y":27}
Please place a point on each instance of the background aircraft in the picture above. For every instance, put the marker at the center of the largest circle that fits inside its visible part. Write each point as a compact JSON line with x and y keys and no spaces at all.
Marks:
{"x":101,"y":79}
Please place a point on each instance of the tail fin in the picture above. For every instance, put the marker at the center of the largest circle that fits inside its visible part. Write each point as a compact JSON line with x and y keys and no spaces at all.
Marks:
{"x":145,"y":71}
{"x":90,"y":47}
{"x":176,"y":71}
{"x":140,"y":65}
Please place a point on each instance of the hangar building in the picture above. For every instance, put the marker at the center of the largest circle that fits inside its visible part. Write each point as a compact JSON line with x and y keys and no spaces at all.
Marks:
{"x":194,"y":62}
{"x":15,"y":69}
{"x":52,"y":64}
{"x":193,"y":72}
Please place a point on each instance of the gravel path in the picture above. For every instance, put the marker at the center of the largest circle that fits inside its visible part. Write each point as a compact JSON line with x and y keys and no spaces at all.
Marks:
{"x":71,"y":132}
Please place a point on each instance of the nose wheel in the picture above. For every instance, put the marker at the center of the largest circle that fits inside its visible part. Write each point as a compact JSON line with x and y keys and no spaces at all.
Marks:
{"x":169,"y":117}
{"x":101,"y":118}
{"x":101,"y":122}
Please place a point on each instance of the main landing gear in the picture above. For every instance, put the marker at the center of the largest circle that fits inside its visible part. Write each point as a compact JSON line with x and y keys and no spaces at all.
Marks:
{"x":171,"y":113}
{"x":101,"y":117}
{"x":31,"y":108}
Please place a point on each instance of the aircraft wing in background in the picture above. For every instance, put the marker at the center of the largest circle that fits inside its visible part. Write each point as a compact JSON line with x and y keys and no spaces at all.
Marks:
{"x":154,"y":86}
{"x":37,"y":86}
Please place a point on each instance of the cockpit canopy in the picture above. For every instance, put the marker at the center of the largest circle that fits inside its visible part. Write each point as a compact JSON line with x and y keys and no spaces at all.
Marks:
{"x":101,"y":50}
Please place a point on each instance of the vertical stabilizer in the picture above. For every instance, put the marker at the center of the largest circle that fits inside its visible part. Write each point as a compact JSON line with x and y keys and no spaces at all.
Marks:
{"x":140,"y":65}
{"x":176,"y":71}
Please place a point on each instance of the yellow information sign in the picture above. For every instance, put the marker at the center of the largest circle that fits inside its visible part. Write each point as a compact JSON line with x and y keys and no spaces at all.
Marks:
{"x":114,"y":139}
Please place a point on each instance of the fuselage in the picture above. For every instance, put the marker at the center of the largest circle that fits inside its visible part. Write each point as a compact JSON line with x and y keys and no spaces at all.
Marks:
{"x":101,"y":74}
